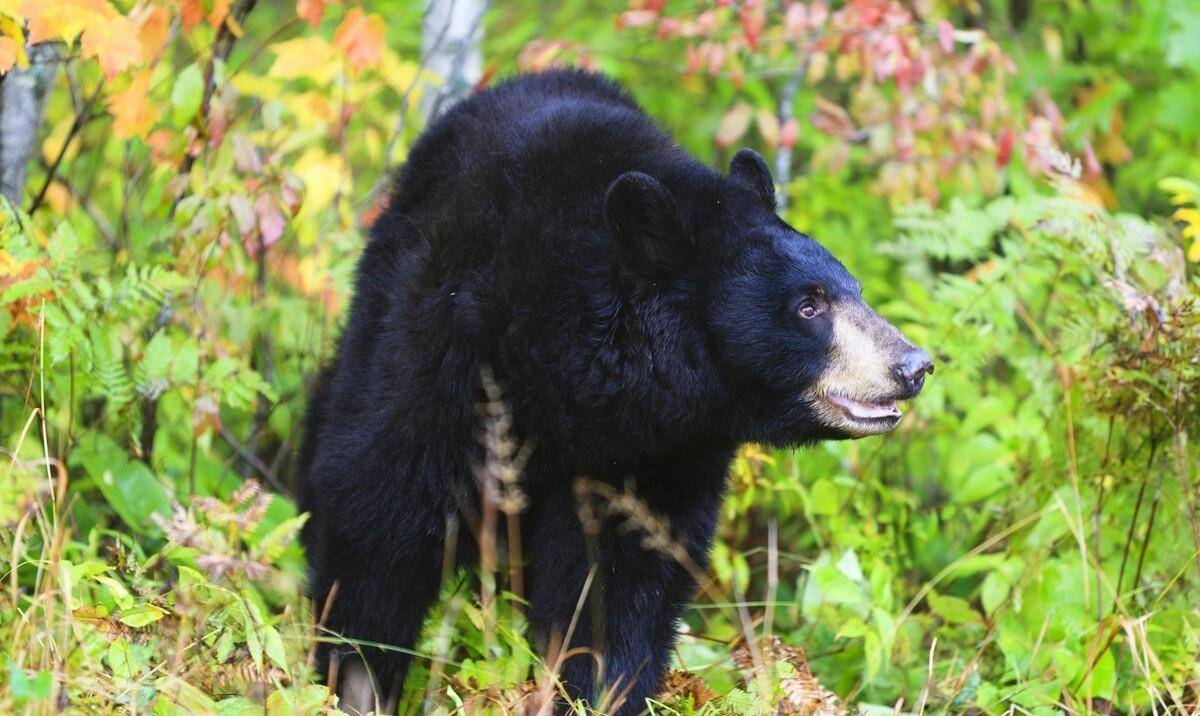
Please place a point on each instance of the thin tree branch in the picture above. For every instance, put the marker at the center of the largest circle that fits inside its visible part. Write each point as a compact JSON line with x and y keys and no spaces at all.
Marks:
{"x":222,"y":46}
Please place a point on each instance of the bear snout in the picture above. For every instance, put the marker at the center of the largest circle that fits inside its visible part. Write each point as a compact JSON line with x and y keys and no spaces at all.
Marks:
{"x":911,"y":370}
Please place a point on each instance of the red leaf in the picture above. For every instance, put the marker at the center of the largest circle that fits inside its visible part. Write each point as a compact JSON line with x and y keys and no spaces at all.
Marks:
{"x":945,"y":33}
{"x":1091,"y":164}
{"x":753,"y":19}
{"x":635,"y":18}
{"x":789,"y":133}
{"x":1004,"y":147}
{"x":311,"y":11}
{"x":360,"y":38}
{"x":270,"y":220}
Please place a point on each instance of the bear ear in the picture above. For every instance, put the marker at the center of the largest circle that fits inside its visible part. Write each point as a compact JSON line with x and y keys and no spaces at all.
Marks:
{"x":749,"y":166}
{"x":646,"y":223}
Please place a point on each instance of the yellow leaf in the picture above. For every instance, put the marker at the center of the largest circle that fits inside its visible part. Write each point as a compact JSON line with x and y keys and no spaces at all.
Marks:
{"x":1193,"y":253}
{"x":1189,"y":216}
{"x":322,"y":176}
{"x":51,"y":21}
{"x":309,"y":57}
{"x":133,"y":114}
{"x":818,"y":65}
{"x":58,"y":198}
{"x":311,"y":108}
{"x":400,"y":74}
{"x":768,"y":127}
{"x":360,"y":38}
{"x":64,"y":19}
{"x":250,"y":85}
{"x":114,"y":43}
{"x":52,"y":145}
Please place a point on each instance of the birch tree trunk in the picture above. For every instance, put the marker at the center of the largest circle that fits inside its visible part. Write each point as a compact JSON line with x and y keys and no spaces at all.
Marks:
{"x":451,"y":33}
{"x":23,"y":95}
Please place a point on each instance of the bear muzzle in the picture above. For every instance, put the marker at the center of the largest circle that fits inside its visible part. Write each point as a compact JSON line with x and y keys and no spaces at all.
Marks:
{"x":872,"y":367}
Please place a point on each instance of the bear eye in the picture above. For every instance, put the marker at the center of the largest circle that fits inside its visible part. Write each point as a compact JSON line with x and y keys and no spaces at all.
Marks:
{"x":811,"y":307}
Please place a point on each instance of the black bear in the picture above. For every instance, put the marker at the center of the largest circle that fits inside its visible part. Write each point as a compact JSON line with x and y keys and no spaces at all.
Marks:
{"x":644,"y":314}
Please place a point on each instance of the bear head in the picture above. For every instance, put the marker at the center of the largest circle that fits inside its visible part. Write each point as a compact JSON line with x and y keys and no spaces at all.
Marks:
{"x":797,"y":352}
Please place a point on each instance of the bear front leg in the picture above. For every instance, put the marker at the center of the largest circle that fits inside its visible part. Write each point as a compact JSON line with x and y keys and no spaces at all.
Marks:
{"x":624,"y":632}
{"x":382,"y":600}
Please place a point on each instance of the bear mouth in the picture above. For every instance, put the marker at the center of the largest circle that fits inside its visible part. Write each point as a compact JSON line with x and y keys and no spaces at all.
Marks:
{"x":865,"y":417}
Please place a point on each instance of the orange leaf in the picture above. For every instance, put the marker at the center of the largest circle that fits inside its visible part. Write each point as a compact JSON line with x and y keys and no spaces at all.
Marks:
{"x":8,"y":54}
{"x":114,"y":43}
{"x":191,"y":12}
{"x":219,"y":12}
{"x":733,"y":125}
{"x":53,"y":20}
{"x":360,"y":39}
{"x":133,"y":114}
{"x":768,"y":127}
{"x":153,"y":22}
{"x":311,"y":11}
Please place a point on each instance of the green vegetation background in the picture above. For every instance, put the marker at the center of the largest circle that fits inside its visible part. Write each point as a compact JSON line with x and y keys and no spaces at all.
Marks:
{"x":1027,"y":541}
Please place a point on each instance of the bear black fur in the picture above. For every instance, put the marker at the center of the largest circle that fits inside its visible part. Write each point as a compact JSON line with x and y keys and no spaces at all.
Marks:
{"x":640,"y":312}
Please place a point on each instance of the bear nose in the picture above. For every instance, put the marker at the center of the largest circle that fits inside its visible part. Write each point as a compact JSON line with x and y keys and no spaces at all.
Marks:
{"x":912,"y":369}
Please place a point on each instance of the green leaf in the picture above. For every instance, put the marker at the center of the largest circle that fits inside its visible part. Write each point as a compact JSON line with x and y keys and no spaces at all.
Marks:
{"x":1102,"y":681}
{"x":822,"y":499}
{"x":852,"y":629}
{"x":128,"y":485}
{"x":142,"y":615}
{"x":837,"y":587}
{"x":994,"y":591}
{"x":187,"y":94}
{"x":273,"y":648}
{"x":25,"y":689}
{"x":952,"y":610}
{"x":121,"y":660}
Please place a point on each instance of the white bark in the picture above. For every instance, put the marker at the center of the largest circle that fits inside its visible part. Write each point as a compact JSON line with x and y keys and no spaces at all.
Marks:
{"x":451,"y":34}
{"x":23,"y":95}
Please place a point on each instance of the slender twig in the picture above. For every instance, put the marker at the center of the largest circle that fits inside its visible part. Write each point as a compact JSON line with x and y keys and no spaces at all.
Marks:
{"x":253,"y":461}
{"x":82,"y":117}
{"x":222,"y":46}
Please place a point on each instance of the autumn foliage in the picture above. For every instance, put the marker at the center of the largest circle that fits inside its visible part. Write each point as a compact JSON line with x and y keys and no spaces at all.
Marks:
{"x":1016,"y":183}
